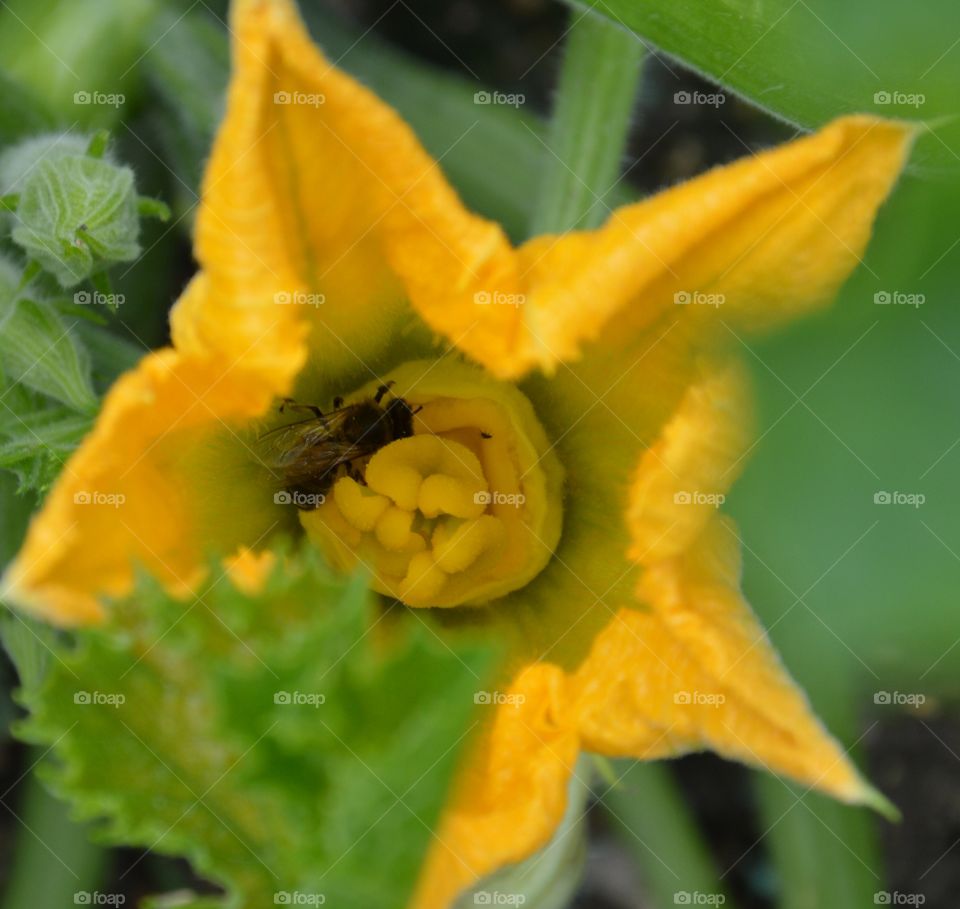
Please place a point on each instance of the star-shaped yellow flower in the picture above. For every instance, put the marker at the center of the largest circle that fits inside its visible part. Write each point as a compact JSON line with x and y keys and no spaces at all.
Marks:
{"x":575,"y":427}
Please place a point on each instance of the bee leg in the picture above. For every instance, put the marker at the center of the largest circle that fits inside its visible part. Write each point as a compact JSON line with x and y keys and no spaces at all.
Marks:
{"x":293,"y":405}
{"x":381,"y":391}
{"x":356,"y":474}
{"x":485,"y":435}
{"x":337,"y":402}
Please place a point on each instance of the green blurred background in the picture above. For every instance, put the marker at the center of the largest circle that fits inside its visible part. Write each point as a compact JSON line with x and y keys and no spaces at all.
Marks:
{"x":858,"y":595}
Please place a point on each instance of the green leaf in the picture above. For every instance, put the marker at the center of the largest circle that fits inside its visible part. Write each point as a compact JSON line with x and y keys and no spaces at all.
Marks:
{"x":153,"y":208}
{"x":20,"y":114}
{"x":38,"y":350}
{"x":78,"y":60}
{"x":36,"y":879}
{"x":18,"y":161}
{"x":286,"y":743}
{"x":77,"y":214}
{"x":110,"y":355}
{"x":14,"y":516}
{"x":36,"y":438}
{"x":826,"y":853}
{"x":98,"y":144}
{"x":30,"y":645}
{"x":188,"y":73}
{"x":646,"y":808}
{"x":811,"y":61}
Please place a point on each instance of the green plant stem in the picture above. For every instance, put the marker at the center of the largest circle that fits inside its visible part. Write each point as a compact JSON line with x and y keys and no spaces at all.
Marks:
{"x":53,"y":858}
{"x":825,"y":853}
{"x":588,"y":132}
{"x":647,"y":810}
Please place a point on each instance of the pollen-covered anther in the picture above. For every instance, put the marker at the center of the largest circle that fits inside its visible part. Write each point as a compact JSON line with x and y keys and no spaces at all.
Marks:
{"x":452,"y":500}
{"x":459,"y":513}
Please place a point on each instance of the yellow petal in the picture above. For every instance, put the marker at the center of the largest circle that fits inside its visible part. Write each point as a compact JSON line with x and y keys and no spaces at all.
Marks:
{"x":683,"y":478}
{"x":512,"y":795}
{"x":165,"y":479}
{"x":318,"y":192}
{"x":695,"y":670}
{"x":756,"y":242}
{"x":641,"y":606}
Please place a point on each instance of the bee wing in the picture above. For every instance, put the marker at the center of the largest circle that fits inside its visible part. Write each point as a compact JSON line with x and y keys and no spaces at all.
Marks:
{"x":308,"y":449}
{"x":282,"y":444}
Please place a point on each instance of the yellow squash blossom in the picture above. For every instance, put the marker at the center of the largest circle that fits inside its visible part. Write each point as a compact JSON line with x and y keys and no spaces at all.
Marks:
{"x":575,"y":428}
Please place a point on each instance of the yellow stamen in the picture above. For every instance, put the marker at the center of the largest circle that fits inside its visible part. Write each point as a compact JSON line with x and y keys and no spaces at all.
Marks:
{"x":465,"y":510}
{"x":360,"y":507}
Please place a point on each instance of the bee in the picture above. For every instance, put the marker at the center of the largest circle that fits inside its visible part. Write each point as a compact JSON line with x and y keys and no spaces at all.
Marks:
{"x":310,"y":454}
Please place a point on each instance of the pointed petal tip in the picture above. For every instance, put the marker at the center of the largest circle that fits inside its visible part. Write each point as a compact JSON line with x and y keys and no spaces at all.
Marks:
{"x":871,"y":797}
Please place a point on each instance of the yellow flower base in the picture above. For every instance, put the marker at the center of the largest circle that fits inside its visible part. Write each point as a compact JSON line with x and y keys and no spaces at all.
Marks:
{"x":466,"y":510}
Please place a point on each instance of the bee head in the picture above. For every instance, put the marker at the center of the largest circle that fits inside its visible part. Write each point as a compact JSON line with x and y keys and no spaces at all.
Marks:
{"x":399,"y":415}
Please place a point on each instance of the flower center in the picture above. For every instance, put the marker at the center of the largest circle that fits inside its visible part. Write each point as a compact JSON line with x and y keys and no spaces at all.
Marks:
{"x":464,"y":510}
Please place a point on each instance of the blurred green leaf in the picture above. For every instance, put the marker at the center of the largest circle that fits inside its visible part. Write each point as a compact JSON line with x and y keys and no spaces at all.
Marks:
{"x":38,"y":350}
{"x":20,"y":114}
{"x":36,"y":438}
{"x":825,"y":853}
{"x":646,"y":808}
{"x":14,"y":516}
{"x":232,"y":731}
{"x":30,"y":645}
{"x":76,"y":215}
{"x":56,"y":864}
{"x":857,"y":401}
{"x":188,"y":72}
{"x":811,"y":60}
{"x":76,"y":60}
